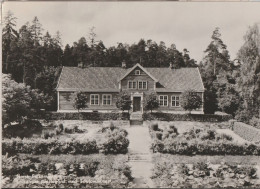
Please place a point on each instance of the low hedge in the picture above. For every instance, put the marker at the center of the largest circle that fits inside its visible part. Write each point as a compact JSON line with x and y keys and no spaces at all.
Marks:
{"x":247,"y":132}
{"x":194,"y":147}
{"x":186,"y":117}
{"x":49,"y":146}
{"x":95,"y":116}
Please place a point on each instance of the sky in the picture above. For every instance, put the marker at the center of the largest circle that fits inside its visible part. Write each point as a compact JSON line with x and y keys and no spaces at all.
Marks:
{"x":185,"y":24}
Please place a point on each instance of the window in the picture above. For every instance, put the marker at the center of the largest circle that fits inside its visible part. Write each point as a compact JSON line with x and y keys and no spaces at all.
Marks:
{"x":106,"y":99}
{"x":175,"y":101}
{"x":163,"y":99}
{"x":137,"y":72}
{"x":94,"y":99}
{"x":142,"y":85}
{"x":132,"y":84}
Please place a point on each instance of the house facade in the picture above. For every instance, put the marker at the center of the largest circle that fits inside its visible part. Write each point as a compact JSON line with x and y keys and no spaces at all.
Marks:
{"x":102,"y":85}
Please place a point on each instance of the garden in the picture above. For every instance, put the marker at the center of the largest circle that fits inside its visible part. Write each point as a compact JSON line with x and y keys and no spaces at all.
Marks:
{"x":66,"y":154}
{"x":194,"y":155}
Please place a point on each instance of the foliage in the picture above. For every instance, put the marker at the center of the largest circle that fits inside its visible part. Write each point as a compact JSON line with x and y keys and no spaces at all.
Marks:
{"x":124,"y":102}
{"x":167,"y":174}
{"x":197,"y":141}
{"x":229,"y":100}
{"x":255,"y":122}
{"x":186,"y":117}
{"x":69,"y":167}
{"x":82,"y":116}
{"x":215,"y":62}
{"x":19,"y":101}
{"x":190,"y":100}
{"x":248,"y":83}
{"x":25,"y":129}
{"x":80,"y":101}
{"x":49,"y":146}
{"x":113,"y":140}
{"x":151,"y":102}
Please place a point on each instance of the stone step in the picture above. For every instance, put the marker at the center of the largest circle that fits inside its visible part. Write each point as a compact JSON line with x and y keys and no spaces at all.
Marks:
{"x":136,"y":122}
{"x":145,"y":157}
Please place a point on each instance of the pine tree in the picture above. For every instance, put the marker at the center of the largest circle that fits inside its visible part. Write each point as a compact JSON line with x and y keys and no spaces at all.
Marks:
{"x":9,"y":40}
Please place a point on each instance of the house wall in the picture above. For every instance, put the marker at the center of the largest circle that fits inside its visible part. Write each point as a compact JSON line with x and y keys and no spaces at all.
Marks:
{"x":66,"y":101}
{"x":142,"y":77}
{"x":171,"y":108}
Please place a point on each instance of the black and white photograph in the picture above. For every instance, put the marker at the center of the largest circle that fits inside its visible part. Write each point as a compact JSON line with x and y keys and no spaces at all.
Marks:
{"x":130,"y":94}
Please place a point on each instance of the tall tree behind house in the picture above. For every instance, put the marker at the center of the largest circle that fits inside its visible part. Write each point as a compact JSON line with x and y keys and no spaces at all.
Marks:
{"x":248,"y":84}
{"x":215,"y":61}
{"x":9,"y":40}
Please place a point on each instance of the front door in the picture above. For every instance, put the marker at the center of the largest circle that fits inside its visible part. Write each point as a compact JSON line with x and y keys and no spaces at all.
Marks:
{"x":136,"y":104}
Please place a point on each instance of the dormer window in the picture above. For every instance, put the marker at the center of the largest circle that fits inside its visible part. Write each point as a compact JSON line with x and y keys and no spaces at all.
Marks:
{"x":137,"y":72}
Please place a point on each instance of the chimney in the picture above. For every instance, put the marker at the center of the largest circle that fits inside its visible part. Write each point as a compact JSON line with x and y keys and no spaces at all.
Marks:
{"x":123,"y":64}
{"x":80,"y":64}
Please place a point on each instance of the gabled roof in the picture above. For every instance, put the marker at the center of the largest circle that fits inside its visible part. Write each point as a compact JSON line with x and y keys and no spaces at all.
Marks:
{"x":178,"y":80}
{"x":138,"y":65}
{"x":90,"y":79}
{"x":106,"y":79}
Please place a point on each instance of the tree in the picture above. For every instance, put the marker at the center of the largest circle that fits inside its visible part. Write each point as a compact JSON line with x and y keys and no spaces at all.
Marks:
{"x":9,"y":40}
{"x":36,"y":30}
{"x":229,"y":100}
{"x":151,"y":102}
{"x":190,"y":100}
{"x":80,"y":101}
{"x":19,"y":101}
{"x":215,"y":62}
{"x":124,"y":102}
{"x":248,"y":84}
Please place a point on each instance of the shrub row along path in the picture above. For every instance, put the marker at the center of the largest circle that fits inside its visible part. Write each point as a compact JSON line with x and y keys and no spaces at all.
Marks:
{"x":139,"y":156}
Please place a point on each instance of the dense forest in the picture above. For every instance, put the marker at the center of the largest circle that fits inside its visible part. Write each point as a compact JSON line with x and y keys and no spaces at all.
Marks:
{"x":34,"y":57}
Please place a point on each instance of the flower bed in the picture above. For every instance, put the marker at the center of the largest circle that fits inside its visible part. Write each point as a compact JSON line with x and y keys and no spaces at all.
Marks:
{"x":198,"y":141}
{"x":112,"y":140}
{"x":186,"y":117}
{"x":65,"y":171}
{"x":170,"y":175}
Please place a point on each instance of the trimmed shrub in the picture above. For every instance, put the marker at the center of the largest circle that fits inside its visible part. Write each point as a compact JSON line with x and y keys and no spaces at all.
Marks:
{"x":50,"y":146}
{"x":95,"y":116}
{"x":154,"y":126}
{"x":47,"y":134}
{"x":186,"y":117}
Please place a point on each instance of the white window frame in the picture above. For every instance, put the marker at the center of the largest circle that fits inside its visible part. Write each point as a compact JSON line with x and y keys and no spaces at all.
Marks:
{"x":106,"y":95}
{"x":163,"y":100}
{"x":146,"y":83}
{"x":132,"y":84}
{"x":94,"y":99}
{"x":174,"y":99}
{"x":137,"y":72}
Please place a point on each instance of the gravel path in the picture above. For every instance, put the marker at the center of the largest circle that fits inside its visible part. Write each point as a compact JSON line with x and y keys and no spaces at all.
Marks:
{"x":140,"y":158}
